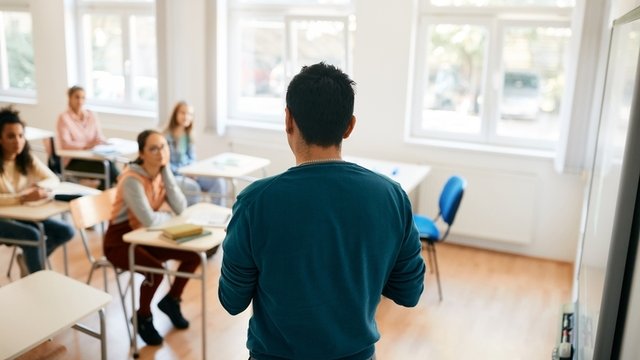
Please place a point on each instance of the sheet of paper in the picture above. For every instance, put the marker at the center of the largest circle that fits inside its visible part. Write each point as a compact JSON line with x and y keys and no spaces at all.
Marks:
{"x":215,"y":220}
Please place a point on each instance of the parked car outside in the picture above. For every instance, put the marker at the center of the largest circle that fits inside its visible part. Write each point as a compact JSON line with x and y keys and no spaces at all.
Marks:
{"x":520,"y":95}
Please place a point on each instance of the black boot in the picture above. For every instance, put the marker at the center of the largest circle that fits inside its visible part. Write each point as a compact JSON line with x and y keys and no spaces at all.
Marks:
{"x":147,"y":331}
{"x":171,"y":307}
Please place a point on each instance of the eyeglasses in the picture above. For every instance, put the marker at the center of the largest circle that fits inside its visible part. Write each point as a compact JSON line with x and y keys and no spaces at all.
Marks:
{"x":155,"y":149}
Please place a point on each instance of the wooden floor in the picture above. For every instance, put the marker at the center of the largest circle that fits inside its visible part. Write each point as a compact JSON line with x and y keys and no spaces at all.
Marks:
{"x":496,"y":306}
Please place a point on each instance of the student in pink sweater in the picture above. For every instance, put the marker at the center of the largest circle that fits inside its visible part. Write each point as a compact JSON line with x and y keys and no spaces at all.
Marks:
{"x":78,"y":129}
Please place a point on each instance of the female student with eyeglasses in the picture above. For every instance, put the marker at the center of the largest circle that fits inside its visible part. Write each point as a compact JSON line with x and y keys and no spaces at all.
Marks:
{"x":147,"y":195}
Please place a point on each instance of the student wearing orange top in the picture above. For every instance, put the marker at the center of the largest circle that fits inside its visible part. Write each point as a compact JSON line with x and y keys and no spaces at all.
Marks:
{"x":78,"y":129}
{"x":147,"y":195}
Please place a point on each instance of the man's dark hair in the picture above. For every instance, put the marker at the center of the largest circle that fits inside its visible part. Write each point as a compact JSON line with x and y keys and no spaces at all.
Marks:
{"x":23,"y":160}
{"x":320,"y":99}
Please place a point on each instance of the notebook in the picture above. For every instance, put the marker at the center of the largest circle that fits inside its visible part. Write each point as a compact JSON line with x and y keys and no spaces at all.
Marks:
{"x":180,"y":231}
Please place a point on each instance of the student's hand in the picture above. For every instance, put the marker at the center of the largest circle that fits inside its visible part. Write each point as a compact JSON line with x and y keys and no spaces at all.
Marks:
{"x":33,"y":194}
{"x":94,"y":143}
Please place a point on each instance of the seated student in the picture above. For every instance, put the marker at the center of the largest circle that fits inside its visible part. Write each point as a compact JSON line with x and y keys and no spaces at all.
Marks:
{"x":178,"y":134}
{"x":24,"y":178}
{"x":144,"y":190}
{"x":78,"y":129}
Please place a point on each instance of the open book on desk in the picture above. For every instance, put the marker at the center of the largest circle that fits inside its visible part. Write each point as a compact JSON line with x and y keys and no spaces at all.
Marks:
{"x":209,"y":220}
{"x":116,"y":146}
{"x":204,"y":220}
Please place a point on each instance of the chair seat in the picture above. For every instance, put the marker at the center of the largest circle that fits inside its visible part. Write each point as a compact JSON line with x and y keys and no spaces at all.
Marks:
{"x":427,"y":228}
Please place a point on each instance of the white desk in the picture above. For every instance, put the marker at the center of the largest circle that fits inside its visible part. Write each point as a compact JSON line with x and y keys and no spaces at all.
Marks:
{"x":32,"y":133}
{"x":34,"y":214}
{"x":230,"y":166}
{"x":41,"y":305}
{"x":119,"y":150}
{"x":146,"y":237}
{"x":39,"y":213}
{"x":409,"y":176}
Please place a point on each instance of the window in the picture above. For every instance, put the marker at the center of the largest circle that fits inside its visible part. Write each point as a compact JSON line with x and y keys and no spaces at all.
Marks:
{"x":17,"y":70}
{"x":117,"y":53}
{"x":491,"y":71}
{"x":268,"y":42}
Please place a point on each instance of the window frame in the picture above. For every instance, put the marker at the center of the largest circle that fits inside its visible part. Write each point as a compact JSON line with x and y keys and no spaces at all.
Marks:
{"x":126,"y":11}
{"x":496,"y":20}
{"x":229,"y":113}
{"x":7,"y":93}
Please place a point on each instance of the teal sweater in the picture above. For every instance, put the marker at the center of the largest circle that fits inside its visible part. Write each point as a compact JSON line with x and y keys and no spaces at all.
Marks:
{"x":314,"y":248}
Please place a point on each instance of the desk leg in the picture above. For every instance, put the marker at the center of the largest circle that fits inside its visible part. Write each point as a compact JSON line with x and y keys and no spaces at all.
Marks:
{"x":203,"y":263}
{"x":134,"y":338}
{"x":103,"y":334}
{"x":42,"y":242}
{"x":64,"y":256}
{"x":107,"y":174}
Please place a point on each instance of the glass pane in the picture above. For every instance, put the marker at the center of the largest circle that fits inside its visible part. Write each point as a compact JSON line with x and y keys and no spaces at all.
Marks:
{"x":554,"y":3}
{"x":104,"y":57}
{"x":533,"y":82}
{"x":144,"y":59}
{"x":17,"y":30}
{"x":606,"y":180}
{"x":261,"y":71}
{"x":314,"y":41}
{"x":454,"y":67}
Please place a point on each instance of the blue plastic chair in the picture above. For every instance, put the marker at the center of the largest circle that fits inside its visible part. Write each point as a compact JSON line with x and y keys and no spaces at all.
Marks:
{"x":449,"y":202}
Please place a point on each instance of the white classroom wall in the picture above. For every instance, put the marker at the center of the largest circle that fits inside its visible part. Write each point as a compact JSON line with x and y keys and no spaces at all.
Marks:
{"x":514,"y":203}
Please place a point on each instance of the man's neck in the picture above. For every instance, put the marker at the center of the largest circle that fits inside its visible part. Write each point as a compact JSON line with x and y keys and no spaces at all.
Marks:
{"x":318,"y":153}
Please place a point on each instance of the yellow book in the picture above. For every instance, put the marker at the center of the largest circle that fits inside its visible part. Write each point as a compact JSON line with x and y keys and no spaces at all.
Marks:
{"x":183,"y":230}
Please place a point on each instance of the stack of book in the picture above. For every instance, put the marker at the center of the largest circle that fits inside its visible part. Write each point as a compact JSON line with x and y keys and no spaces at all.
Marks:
{"x":184,"y":232}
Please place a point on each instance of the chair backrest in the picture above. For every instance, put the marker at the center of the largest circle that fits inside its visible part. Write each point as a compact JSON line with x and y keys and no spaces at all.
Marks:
{"x":53,"y":160}
{"x":450,"y":198}
{"x":91,"y":210}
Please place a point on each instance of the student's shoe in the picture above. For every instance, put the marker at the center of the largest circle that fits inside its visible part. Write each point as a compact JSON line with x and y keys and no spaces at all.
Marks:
{"x":147,"y":331}
{"x":171,"y":307}
{"x":22,"y":264}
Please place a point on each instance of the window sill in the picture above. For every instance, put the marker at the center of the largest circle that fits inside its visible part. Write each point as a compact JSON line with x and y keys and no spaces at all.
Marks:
{"x":149,"y":114}
{"x":122,"y":119}
{"x":18,"y":100}
{"x":254,"y":124}
{"x":489,"y":149}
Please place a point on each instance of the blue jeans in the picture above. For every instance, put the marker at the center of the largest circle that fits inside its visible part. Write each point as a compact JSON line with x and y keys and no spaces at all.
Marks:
{"x":193,"y":188}
{"x":57,"y":232}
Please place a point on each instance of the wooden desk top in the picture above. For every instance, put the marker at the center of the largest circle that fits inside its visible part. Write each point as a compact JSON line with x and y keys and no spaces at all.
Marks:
{"x":226,"y":165}
{"x":41,"y":305}
{"x":34,"y":213}
{"x":38,"y":211}
{"x":193,"y":214}
{"x":117,"y":149}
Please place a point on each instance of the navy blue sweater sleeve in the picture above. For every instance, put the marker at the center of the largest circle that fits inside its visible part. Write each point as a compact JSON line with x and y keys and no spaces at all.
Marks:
{"x":406,"y":281}
{"x":239,"y":274}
